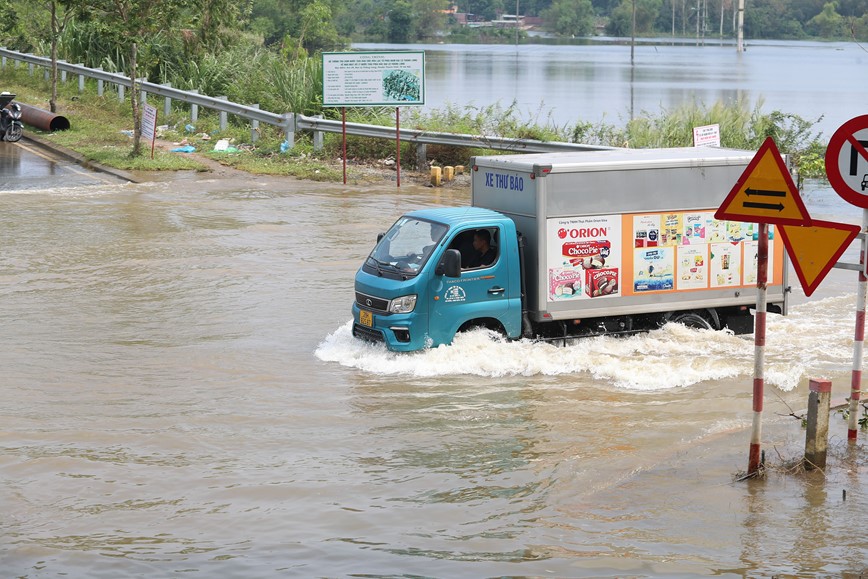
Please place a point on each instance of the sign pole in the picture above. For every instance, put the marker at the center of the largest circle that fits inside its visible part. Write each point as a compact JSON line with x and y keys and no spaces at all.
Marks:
{"x":398,"y":142}
{"x":344,"y":140}
{"x":759,"y":348}
{"x":149,"y":125}
{"x":858,"y":339}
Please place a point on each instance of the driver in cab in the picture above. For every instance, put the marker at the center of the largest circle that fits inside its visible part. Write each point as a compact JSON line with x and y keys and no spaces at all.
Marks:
{"x":483,"y":255}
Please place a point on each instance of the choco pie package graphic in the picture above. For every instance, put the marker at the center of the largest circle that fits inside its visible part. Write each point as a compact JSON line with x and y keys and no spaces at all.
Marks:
{"x":587,"y":260}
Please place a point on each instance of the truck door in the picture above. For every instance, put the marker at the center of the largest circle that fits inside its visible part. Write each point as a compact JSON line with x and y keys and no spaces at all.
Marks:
{"x":481,"y":292}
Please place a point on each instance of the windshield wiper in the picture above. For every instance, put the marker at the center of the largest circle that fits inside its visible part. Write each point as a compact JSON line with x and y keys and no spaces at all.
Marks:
{"x":381,"y":266}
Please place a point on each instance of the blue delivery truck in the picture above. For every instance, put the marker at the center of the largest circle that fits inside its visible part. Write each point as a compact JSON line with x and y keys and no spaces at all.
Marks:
{"x":571,"y":244}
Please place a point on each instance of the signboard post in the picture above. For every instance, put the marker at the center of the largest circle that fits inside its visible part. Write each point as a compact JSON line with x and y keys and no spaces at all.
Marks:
{"x":149,"y":125}
{"x":374,"y":79}
{"x":847,"y":169}
{"x":764,"y":194}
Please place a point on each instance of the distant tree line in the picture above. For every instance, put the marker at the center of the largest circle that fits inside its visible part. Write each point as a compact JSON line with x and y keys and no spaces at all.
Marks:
{"x":296,"y":27}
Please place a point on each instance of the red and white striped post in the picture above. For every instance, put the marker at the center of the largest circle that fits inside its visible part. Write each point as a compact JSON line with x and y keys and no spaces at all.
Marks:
{"x":398,"y":143}
{"x":858,"y":338}
{"x":759,"y":348}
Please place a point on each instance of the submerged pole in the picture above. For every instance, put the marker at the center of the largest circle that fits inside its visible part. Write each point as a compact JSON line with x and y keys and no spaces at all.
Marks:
{"x":739,"y":46}
{"x":858,"y":338}
{"x":759,"y":349}
{"x":817,"y":428}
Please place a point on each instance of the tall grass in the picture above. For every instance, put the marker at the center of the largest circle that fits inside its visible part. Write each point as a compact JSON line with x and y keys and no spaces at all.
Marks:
{"x":742,"y":126}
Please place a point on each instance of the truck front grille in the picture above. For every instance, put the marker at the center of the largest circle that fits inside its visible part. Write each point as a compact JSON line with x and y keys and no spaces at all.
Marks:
{"x":371,"y":303}
{"x":367,"y":334}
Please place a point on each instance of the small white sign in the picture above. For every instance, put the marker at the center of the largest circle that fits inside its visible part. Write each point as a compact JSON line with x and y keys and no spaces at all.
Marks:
{"x":354,"y":79}
{"x":149,"y":122}
{"x":706,"y":136}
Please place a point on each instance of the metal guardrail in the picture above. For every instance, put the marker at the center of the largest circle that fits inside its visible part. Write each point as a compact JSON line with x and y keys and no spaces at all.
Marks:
{"x":290,"y":123}
{"x":434,"y":138}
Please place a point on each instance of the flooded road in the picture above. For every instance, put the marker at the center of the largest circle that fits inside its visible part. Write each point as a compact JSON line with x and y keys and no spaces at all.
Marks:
{"x":181,"y":395}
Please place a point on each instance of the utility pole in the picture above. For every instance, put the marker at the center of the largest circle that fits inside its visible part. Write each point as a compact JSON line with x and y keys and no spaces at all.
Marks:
{"x":516,"y":22}
{"x":633,"y":35}
{"x":739,"y":45}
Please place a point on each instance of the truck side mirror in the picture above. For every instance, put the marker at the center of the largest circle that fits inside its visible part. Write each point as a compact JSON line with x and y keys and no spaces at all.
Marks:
{"x":380,"y":236}
{"x":450,"y":264}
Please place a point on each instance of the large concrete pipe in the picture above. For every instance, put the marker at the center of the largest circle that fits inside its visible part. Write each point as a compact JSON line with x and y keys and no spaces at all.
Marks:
{"x":42,"y":119}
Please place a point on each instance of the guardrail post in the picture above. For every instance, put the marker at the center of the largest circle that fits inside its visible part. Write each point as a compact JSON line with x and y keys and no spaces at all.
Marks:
{"x":3,"y":62}
{"x":289,"y":129}
{"x":167,"y":103}
{"x":223,"y":114}
{"x":194,"y":109}
{"x":46,"y":74}
{"x":317,"y":137}
{"x":121,"y":93}
{"x":80,"y":80}
{"x":142,"y":92}
{"x":100,"y":84}
{"x":30,"y":68}
{"x":254,"y":127}
{"x":62,"y":72}
{"x":421,"y":156}
{"x":817,"y":429}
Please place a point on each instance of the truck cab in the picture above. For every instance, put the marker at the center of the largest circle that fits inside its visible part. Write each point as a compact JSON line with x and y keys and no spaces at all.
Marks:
{"x":422,"y":282}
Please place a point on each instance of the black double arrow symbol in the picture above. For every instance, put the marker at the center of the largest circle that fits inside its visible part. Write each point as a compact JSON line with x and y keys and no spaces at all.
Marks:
{"x":764,"y":193}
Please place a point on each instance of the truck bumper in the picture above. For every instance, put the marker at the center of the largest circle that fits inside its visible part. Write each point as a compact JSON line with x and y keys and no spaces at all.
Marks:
{"x":400,"y":332}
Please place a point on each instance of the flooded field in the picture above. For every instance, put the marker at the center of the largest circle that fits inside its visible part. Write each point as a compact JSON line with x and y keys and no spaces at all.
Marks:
{"x":181,"y":395}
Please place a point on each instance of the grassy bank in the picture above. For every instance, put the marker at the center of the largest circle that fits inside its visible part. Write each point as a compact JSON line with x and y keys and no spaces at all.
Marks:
{"x":100,"y":128}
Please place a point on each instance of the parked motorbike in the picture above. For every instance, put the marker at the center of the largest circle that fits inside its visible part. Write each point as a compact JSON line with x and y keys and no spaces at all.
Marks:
{"x":11,"y":127}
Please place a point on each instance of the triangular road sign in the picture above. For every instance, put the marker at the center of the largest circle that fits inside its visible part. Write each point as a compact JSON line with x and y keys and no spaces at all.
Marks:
{"x":765,"y":192}
{"x":815,"y":249}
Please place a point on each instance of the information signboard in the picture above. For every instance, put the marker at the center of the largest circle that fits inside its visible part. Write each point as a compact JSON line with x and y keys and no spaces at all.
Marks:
{"x":359,"y":79}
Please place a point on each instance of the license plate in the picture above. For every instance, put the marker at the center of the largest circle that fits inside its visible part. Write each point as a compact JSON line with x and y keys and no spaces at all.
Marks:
{"x":366,"y":318}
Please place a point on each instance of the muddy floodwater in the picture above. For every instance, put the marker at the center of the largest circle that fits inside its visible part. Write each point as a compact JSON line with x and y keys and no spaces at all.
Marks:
{"x":181,"y":395}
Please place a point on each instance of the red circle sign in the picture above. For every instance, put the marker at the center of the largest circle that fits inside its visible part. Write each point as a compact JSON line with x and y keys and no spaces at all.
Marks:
{"x":847,"y":161}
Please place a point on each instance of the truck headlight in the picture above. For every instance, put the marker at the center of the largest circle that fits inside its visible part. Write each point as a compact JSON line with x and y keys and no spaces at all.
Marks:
{"x":403,"y":304}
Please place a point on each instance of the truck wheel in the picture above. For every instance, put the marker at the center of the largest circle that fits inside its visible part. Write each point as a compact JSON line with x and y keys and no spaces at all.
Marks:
{"x":691,"y":320}
{"x":490,"y":324}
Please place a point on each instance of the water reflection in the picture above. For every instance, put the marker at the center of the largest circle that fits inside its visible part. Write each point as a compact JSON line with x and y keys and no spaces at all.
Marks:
{"x":592,"y":83}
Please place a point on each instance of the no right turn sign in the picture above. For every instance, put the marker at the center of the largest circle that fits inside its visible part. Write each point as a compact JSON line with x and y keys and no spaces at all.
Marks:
{"x":847,"y":161}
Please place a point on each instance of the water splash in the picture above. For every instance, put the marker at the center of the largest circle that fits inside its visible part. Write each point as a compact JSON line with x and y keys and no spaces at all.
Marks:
{"x":816,"y":336}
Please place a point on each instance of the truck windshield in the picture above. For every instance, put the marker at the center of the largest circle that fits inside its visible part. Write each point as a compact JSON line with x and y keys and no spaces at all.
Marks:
{"x":407,"y":246}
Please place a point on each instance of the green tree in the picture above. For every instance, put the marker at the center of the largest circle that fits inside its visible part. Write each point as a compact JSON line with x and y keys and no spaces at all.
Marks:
{"x":772,"y":19}
{"x":315,"y":31}
{"x":488,"y":9}
{"x":60,"y":13}
{"x":621,"y":21}
{"x":313,"y":20}
{"x":217,"y":22}
{"x":132,"y":22}
{"x":400,"y":23}
{"x":428,"y":17}
{"x":533,"y":7}
{"x":570,"y":17}
{"x":828,"y":23}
